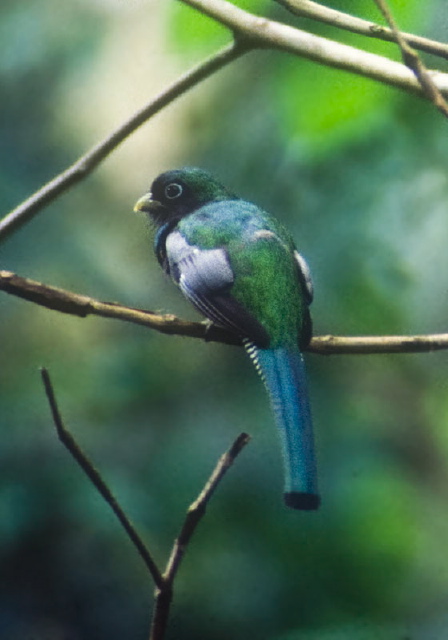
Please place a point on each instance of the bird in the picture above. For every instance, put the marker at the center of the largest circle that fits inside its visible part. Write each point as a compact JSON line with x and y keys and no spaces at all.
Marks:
{"x":240,"y":268}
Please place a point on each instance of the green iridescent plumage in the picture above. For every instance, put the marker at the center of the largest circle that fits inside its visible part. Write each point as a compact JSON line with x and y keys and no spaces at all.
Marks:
{"x":260,"y":253}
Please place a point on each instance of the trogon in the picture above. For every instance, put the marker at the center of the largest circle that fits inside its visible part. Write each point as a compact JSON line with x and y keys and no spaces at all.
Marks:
{"x":240,"y":268}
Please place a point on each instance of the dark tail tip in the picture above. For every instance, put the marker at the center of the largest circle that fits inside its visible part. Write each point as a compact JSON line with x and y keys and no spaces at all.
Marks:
{"x":301,"y":500}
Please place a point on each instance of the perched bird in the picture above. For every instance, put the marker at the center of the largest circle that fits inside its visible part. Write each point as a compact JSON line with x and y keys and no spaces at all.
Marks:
{"x":239,"y":267}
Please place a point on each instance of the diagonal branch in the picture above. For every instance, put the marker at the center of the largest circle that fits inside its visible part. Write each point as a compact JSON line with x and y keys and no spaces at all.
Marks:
{"x":82,"y":306}
{"x":197,"y":509}
{"x":341,"y":20}
{"x":96,"y":479}
{"x":412,"y":60}
{"x":87,"y":163}
{"x":195,"y":513}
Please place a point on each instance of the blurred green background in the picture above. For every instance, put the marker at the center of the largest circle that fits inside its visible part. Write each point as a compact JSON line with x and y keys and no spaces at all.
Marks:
{"x":358,"y":172}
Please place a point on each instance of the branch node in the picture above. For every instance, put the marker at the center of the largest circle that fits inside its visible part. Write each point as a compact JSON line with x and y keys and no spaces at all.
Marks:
{"x":377,"y":30}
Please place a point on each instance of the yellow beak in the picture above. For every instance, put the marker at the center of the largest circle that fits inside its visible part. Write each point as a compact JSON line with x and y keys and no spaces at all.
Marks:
{"x":147,"y":204}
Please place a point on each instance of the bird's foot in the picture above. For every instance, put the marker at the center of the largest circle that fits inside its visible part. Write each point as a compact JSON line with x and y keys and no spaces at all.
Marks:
{"x":208,"y":324}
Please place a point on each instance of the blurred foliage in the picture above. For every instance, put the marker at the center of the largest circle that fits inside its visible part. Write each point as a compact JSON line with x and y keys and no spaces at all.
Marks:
{"x":358,"y":172}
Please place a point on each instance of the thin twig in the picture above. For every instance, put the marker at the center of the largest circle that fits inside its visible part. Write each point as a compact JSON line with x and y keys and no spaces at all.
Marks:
{"x":87,"y":163}
{"x":194,"y":515}
{"x":341,"y":20}
{"x":197,"y":509}
{"x":412,"y":60}
{"x":95,"y":478}
{"x":74,"y":304}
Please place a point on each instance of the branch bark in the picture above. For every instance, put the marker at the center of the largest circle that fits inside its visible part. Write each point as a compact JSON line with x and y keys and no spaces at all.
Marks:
{"x":82,"y":306}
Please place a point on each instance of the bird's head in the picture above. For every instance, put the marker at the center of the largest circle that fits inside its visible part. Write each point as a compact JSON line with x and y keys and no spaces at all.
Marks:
{"x":177,"y":193}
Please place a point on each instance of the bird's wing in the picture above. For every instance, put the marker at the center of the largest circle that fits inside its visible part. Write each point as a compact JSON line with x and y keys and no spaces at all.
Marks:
{"x":205,"y":277}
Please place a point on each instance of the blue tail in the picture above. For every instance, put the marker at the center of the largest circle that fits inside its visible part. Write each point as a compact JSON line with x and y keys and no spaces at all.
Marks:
{"x":283,"y":371}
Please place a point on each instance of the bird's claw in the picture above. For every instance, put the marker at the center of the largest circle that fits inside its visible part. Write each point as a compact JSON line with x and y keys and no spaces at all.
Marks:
{"x":208,"y":324}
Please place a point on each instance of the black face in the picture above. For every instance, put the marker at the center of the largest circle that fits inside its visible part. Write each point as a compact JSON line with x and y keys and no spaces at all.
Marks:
{"x":175,"y":194}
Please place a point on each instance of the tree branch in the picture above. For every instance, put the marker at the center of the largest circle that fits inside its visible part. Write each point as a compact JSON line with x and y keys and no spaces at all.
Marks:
{"x":87,"y":163}
{"x":95,"y":478}
{"x":82,"y":306}
{"x":363,"y":345}
{"x":264,"y":33}
{"x":197,"y":508}
{"x":412,"y":60}
{"x":341,"y":20}
{"x":194,"y":515}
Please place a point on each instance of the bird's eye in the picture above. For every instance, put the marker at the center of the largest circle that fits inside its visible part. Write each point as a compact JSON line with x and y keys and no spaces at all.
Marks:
{"x":173,"y":190}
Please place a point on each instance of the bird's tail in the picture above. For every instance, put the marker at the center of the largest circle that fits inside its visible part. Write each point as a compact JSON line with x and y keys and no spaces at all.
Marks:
{"x":283,"y":372}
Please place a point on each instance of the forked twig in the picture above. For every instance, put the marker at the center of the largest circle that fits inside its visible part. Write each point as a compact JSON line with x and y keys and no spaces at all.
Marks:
{"x":164,"y":582}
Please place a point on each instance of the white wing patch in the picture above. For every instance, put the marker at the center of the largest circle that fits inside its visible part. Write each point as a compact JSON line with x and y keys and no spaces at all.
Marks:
{"x":204,"y":270}
{"x":305,"y":276}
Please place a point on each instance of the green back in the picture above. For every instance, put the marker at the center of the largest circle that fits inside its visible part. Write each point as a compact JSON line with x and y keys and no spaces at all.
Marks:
{"x":261,"y":255}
